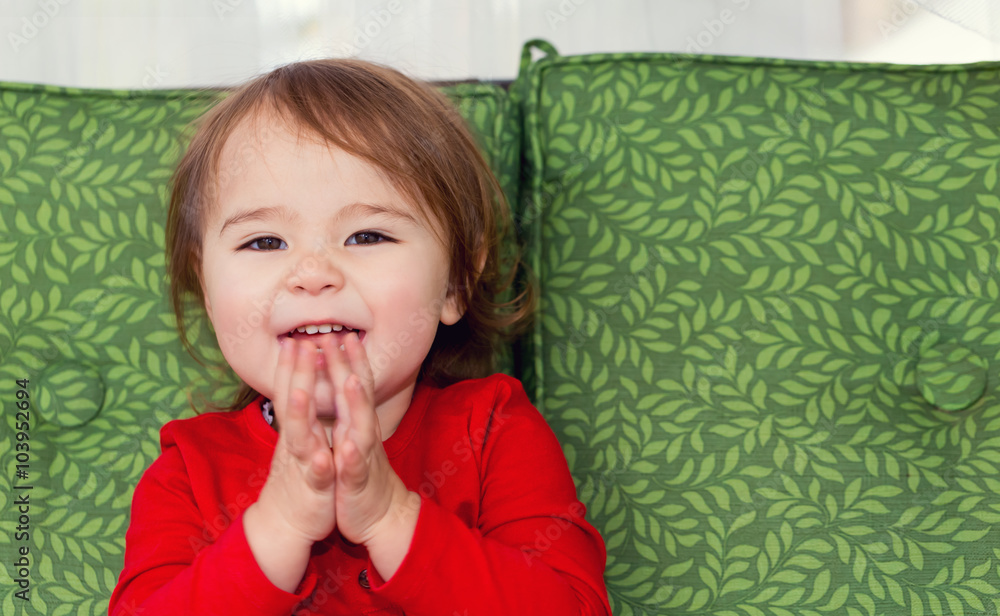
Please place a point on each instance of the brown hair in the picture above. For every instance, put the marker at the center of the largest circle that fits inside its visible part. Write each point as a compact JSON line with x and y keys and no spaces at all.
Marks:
{"x":412,"y":133}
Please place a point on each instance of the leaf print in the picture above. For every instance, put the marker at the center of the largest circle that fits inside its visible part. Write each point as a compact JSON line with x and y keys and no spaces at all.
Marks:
{"x":84,"y":313}
{"x":841,"y":209}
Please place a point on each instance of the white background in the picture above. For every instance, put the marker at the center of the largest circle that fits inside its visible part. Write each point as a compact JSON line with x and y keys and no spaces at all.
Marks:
{"x":194,"y":43}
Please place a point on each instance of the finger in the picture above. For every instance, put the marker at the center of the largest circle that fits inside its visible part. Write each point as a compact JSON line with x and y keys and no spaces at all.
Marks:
{"x":307,"y":439}
{"x":358,"y":358}
{"x":301,"y":414}
{"x":351,"y":463}
{"x":353,"y":412}
{"x":282,"y":378}
{"x":356,"y":440}
{"x":360,"y":394}
{"x":321,"y":472}
{"x":338,"y":370}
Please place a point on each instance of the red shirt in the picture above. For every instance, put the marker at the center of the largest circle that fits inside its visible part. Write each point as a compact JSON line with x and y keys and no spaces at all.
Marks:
{"x":500,"y":529}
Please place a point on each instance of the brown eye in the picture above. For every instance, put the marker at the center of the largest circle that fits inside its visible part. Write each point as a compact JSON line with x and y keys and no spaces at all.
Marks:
{"x":265,"y":244}
{"x":362,"y":238}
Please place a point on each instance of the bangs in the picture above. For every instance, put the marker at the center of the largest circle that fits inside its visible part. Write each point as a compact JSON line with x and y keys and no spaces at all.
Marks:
{"x":368,"y":113}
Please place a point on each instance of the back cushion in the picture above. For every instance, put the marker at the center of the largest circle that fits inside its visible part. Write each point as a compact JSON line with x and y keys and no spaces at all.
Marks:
{"x":768,"y":333}
{"x":84,"y":314}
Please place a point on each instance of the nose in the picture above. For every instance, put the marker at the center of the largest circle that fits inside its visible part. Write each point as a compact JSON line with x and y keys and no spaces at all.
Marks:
{"x":314,"y":273}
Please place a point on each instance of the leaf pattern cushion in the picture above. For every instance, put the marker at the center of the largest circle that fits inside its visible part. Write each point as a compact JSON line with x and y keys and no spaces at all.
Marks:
{"x":765,"y":337}
{"x":84,"y":316}
{"x":768,"y":337}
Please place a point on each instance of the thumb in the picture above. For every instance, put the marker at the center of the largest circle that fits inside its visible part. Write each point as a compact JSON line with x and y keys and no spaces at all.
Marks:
{"x":352,"y":470}
{"x":321,"y":473}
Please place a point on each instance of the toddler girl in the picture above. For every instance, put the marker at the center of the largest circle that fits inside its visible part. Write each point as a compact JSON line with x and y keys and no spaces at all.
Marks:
{"x":340,"y":227}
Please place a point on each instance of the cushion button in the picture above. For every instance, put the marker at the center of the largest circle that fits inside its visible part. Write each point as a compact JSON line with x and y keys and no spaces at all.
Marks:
{"x":363,"y":579}
{"x":70,"y":394}
{"x":951,"y":377}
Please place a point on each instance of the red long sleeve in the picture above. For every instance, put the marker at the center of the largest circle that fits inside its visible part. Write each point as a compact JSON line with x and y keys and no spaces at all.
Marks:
{"x":178,"y":561}
{"x":500,"y":530}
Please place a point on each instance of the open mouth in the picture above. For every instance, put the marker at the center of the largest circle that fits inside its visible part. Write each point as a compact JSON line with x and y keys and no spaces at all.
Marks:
{"x":316,"y":333}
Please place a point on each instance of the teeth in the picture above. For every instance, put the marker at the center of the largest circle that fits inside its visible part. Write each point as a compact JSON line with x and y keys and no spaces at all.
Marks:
{"x":326,"y":328}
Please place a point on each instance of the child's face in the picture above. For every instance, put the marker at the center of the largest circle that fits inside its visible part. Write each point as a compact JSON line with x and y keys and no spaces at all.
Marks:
{"x":343,"y":247}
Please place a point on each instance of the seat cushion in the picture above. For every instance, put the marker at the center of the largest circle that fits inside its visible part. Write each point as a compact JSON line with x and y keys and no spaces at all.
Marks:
{"x":84,"y":314}
{"x":768,"y":335}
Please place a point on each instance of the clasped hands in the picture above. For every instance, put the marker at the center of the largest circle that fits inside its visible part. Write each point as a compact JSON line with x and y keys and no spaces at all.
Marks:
{"x":313,"y":486}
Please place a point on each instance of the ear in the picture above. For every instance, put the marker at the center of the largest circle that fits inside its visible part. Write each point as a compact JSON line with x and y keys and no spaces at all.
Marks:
{"x":450,"y":312}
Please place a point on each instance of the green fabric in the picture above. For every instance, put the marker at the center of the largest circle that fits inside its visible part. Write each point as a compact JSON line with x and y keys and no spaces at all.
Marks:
{"x":84,"y":315}
{"x":742,"y":261}
{"x":766,"y":337}
{"x":496,"y":122}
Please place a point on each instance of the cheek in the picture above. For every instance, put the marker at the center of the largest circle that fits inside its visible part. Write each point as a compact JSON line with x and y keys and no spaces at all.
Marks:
{"x":229,"y":301}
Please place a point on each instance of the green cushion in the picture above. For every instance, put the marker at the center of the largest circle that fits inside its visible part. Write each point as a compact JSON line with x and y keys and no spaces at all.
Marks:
{"x":84,"y":314}
{"x":742,"y":263}
{"x":496,"y":122}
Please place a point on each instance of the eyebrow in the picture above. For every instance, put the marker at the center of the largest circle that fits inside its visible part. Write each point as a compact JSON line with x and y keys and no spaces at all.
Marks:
{"x":358,"y":208}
